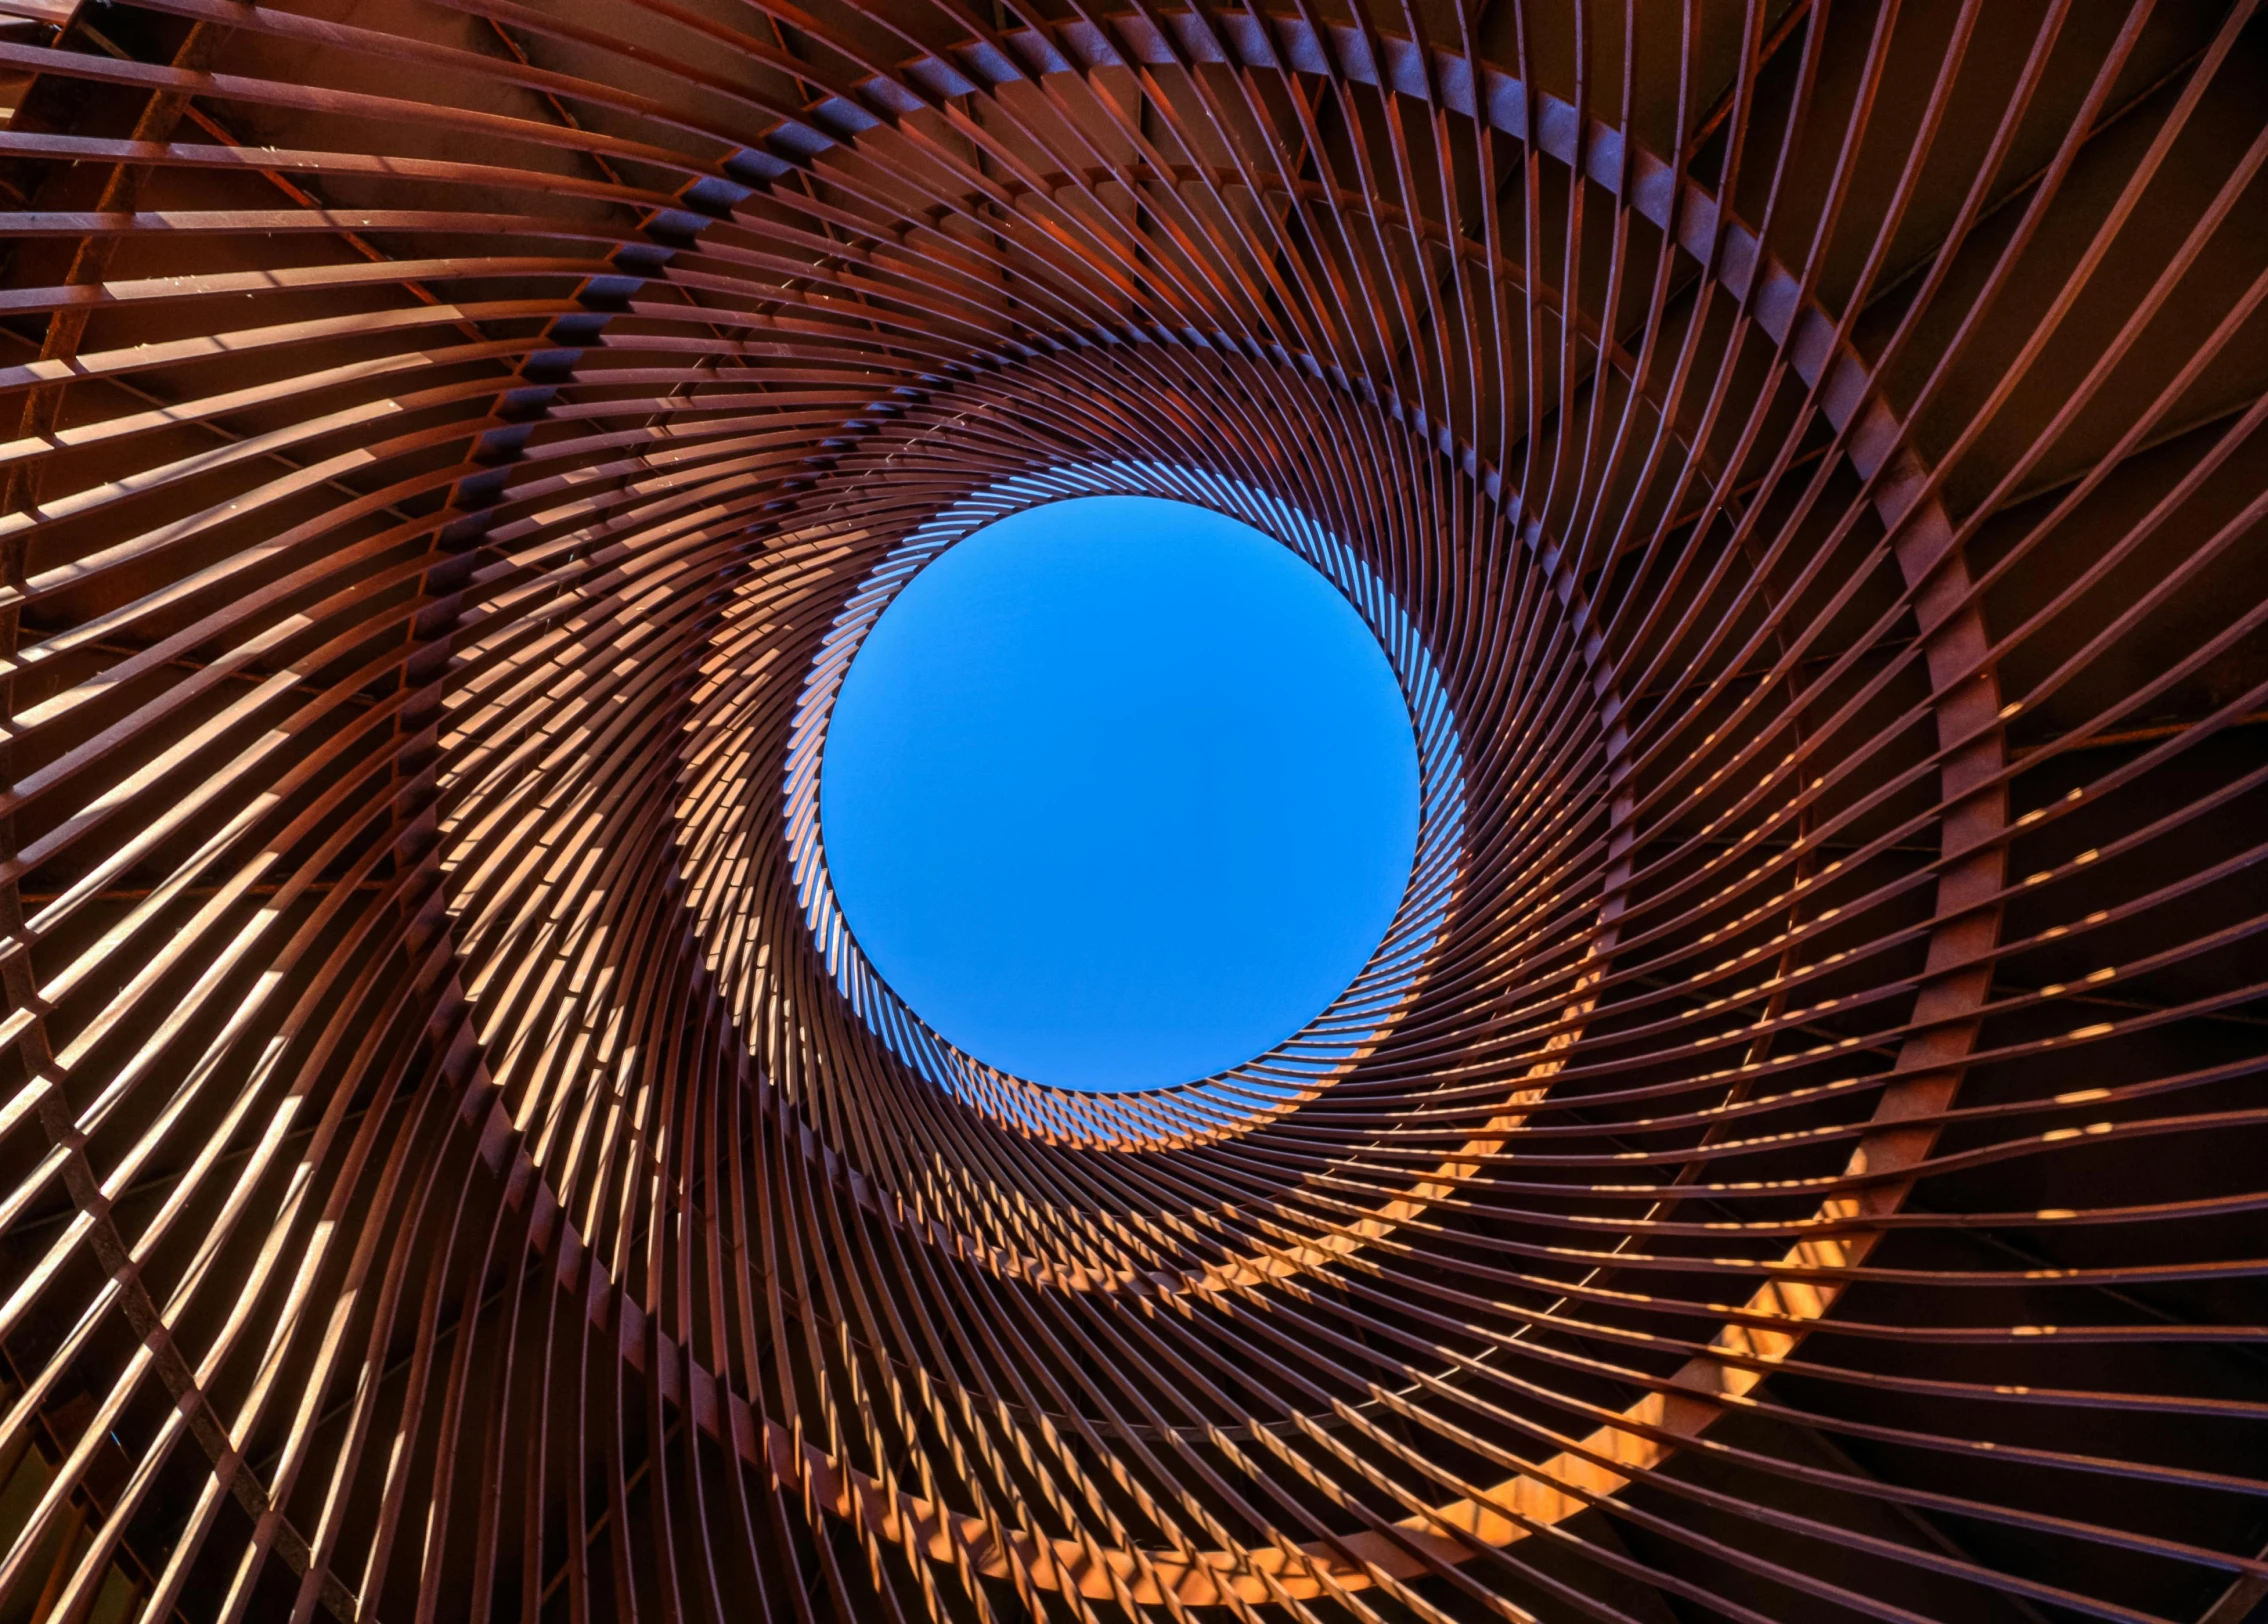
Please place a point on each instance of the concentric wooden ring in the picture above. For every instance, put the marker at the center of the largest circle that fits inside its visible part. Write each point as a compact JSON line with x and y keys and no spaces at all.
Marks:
{"x":1278,"y":1081}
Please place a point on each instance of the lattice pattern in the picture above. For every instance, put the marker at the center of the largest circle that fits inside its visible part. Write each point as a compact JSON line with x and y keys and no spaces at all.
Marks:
{"x":1801,"y":1153}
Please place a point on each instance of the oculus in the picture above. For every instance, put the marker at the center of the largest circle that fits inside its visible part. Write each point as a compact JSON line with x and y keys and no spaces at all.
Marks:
{"x":1119,"y":793}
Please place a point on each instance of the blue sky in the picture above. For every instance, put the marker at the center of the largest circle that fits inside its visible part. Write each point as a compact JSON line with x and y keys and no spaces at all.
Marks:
{"x":1118,"y":793}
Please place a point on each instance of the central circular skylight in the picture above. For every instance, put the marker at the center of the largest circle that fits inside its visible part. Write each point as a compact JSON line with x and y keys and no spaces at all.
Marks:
{"x":1119,"y":793}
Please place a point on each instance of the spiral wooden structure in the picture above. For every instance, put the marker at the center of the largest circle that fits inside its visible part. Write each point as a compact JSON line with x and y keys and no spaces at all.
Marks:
{"x":1801,"y":1154}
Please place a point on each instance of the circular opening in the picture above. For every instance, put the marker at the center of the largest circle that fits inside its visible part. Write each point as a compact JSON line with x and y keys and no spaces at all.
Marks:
{"x":1119,"y":793}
